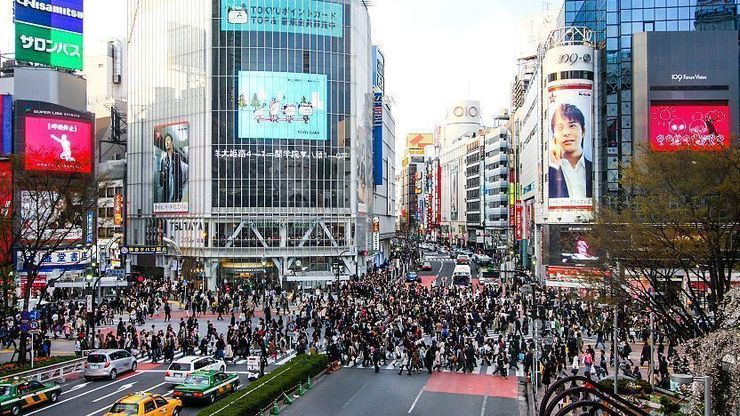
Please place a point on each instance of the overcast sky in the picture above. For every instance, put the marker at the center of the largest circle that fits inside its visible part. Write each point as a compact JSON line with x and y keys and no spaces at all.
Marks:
{"x":437,"y":51}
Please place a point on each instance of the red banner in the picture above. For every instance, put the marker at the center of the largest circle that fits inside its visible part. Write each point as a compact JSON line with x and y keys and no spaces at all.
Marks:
{"x":118,"y":209}
{"x":6,"y":211}
{"x":519,"y":221}
{"x":39,"y":283}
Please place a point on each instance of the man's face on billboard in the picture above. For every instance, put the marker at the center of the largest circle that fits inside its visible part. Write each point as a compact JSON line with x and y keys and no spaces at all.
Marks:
{"x":168,"y":142}
{"x":568,"y":133}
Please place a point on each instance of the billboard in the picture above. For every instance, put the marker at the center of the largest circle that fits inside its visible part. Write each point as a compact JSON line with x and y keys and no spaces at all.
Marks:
{"x":282,"y":106}
{"x":416,"y":142}
{"x":6,"y":206}
{"x":569,"y":246}
{"x":695,"y":125}
{"x":306,"y":17}
{"x":118,"y":209}
{"x":49,"y":217}
{"x":58,"y":14}
{"x":570,"y":126}
{"x":59,"y":143}
{"x":171,"y":167}
{"x":6,"y":124}
{"x":378,"y":138}
{"x":48,"y":46}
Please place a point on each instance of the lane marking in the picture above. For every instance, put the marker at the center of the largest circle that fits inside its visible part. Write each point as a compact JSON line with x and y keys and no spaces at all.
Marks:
{"x":111,"y":405}
{"x":483,"y":409}
{"x":120,"y":389}
{"x":83,"y":394}
{"x":355,"y":395}
{"x":416,"y":400}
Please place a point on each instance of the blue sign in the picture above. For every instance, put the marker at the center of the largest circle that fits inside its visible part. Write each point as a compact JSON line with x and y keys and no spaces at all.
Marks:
{"x":25,"y":315}
{"x":34,"y":315}
{"x":282,"y":106}
{"x":55,"y":14}
{"x":6,"y":124}
{"x":24,"y":327}
{"x":90,"y":227}
{"x":378,"y":138}
{"x":308,"y":17}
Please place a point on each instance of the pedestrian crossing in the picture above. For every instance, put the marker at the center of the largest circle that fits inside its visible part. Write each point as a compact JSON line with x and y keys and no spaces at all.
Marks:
{"x":280,"y":360}
{"x":396,"y":365}
{"x":439,"y":258}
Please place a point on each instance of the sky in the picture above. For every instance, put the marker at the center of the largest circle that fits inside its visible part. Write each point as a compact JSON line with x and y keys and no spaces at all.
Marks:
{"x":436,"y":51}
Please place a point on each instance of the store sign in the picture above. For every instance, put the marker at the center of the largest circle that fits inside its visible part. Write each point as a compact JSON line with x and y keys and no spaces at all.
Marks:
{"x":48,"y":46}
{"x":308,"y":17}
{"x":688,"y":77}
{"x":519,"y":230}
{"x":144,"y":250}
{"x":90,"y":227}
{"x":187,"y":232}
{"x":6,"y":210}
{"x":39,"y":283}
{"x":6,"y":124}
{"x":378,"y":138}
{"x":57,"y":259}
{"x":118,"y":209}
{"x":282,"y":106}
{"x":58,"y":14}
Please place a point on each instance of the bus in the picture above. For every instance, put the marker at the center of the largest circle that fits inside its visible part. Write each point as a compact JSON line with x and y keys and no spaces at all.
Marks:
{"x":461,"y":275}
{"x":489,"y":275}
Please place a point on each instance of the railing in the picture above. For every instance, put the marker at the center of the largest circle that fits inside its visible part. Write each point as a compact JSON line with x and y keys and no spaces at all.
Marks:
{"x":53,"y":372}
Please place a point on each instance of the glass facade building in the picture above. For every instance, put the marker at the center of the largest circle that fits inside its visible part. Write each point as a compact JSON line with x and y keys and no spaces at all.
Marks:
{"x":614,"y":22}
{"x":269,"y":109}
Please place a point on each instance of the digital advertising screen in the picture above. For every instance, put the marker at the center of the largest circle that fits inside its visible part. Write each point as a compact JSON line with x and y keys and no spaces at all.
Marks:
{"x":58,"y":144}
{"x":282,"y":106}
{"x":682,"y":125}
{"x":307,"y":17}
{"x":6,"y":206}
{"x":570,"y":246}
{"x":171,"y":167}
{"x":50,"y":218}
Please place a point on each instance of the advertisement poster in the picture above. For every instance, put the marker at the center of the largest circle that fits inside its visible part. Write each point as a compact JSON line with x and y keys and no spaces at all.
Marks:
{"x":55,"y":144}
{"x":282,"y":106}
{"x":569,"y":246}
{"x":569,"y":125}
{"x":56,"y":14}
{"x":49,"y":217}
{"x":6,"y":124}
{"x":307,"y":17}
{"x":171,"y":142}
{"x":47,"y":46}
{"x":6,"y":206}
{"x":118,"y":209}
{"x":681,"y":125}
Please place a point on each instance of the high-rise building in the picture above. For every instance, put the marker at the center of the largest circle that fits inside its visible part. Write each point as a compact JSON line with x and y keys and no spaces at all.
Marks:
{"x":250,"y":140}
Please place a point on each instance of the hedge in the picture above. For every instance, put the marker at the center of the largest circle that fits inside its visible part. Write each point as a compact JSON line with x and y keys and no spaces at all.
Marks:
{"x":624,"y":386}
{"x":9,"y":369}
{"x":264,"y":391}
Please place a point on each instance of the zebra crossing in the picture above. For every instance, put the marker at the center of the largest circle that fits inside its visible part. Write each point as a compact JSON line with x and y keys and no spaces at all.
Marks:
{"x":396,"y":365}
{"x":439,"y":258}
{"x":281,"y":359}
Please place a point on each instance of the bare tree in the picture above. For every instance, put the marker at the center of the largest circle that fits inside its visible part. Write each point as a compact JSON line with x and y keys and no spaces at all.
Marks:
{"x":676,"y":235}
{"x":49,"y":214}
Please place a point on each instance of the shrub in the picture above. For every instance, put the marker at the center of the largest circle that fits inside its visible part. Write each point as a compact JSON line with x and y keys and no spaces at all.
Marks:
{"x":630,"y":387}
{"x":263,"y":392}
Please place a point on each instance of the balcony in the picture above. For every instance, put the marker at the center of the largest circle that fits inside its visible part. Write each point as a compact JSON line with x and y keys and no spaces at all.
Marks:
{"x":498,"y":211}
{"x":497,"y":198}
{"x":497,"y":171}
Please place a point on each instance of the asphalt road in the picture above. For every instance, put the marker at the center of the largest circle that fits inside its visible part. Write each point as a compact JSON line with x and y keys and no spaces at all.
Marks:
{"x":353,"y":391}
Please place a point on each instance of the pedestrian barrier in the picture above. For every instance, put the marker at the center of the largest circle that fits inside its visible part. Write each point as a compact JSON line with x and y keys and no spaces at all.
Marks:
{"x":54,"y":372}
{"x":287,"y":400}
{"x":616,"y":404}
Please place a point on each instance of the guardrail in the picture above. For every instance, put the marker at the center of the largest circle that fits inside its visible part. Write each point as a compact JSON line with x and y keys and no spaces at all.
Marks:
{"x":53,"y":372}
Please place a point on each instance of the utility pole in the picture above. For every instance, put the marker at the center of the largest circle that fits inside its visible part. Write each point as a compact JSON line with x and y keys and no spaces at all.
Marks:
{"x":616,"y":334}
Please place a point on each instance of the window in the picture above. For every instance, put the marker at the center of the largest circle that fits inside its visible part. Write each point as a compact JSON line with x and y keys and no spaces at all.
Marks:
{"x":149,"y":406}
{"x":161,"y":402}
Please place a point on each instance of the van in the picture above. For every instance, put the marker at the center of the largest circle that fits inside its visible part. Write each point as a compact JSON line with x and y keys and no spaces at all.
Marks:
{"x":180,"y":369}
{"x":461,"y":275}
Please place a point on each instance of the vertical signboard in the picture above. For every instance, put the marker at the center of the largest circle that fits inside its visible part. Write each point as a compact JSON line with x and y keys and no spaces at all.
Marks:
{"x":171,"y":166}
{"x":570,"y":125}
{"x":6,"y":206}
{"x":519,"y":220}
{"x":378,"y":138}
{"x":118,"y":209}
{"x":49,"y":32}
{"x":6,"y":124}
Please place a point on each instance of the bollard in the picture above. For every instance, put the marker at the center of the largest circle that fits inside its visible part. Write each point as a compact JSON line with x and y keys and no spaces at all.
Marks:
{"x":301,"y":391}
{"x":287,"y":400}
{"x":309,"y":386}
{"x":275,"y":408}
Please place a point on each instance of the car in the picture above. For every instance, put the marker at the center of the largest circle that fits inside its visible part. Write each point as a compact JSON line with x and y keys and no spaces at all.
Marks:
{"x":180,"y":369}
{"x":206,"y":386}
{"x":426,"y":266}
{"x":412,"y":277}
{"x":145,"y":404}
{"x":17,"y":394}
{"x":481,"y":259}
{"x":108,"y":364}
{"x":462,"y":259}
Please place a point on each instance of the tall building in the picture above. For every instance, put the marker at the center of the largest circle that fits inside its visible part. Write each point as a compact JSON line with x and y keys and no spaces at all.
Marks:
{"x":496,"y":173}
{"x":250,"y":145}
{"x":413,"y":171}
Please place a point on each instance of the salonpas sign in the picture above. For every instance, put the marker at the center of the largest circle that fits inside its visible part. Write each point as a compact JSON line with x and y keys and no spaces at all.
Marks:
{"x":49,"y":32}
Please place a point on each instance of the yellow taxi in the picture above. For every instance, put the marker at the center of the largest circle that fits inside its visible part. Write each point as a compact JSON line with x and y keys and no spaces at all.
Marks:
{"x":145,"y":404}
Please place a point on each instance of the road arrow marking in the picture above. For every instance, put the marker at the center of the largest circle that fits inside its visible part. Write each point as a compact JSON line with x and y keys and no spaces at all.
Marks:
{"x":77,"y":387}
{"x":120,"y":389}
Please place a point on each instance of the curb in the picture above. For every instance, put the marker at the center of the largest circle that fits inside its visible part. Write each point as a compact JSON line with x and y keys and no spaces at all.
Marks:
{"x":318,"y":379}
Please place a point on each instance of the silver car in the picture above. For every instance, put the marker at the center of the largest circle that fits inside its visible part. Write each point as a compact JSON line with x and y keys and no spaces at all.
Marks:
{"x":108,"y":364}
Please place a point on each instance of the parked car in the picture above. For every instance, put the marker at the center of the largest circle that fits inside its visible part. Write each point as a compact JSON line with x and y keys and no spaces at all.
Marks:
{"x":180,"y":369}
{"x":20,"y":394}
{"x":206,"y":386}
{"x":145,"y":404}
{"x":108,"y":364}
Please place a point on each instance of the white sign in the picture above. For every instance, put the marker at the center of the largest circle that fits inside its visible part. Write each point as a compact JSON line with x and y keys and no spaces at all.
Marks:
{"x":688,"y":77}
{"x":187,"y":232}
{"x":59,"y":258}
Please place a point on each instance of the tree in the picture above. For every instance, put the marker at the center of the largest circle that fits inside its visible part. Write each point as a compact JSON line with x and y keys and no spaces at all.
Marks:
{"x":676,"y":235}
{"x":49,"y":214}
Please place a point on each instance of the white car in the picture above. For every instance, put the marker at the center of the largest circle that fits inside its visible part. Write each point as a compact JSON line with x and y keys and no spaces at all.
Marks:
{"x":180,"y":369}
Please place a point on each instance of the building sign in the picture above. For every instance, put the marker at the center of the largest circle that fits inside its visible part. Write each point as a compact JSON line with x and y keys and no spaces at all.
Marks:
{"x":58,"y":14}
{"x":59,"y":144}
{"x":6,"y":211}
{"x":376,"y":234}
{"x":570,"y":125}
{"x":282,"y":106}
{"x":188,"y":232}
{"x":171,"y":168}
{"x":378,"y":138}
{"x":235,"y":154}
{"x":90,"y":227}
{"x":6,"y":124}
{"x":48,"y":46}
{"x":144,"y":250}
{"x":59,"y":259}
{"x":416,"y":142}
{"x":118,"y":209}
{"x":308,"y":17}
{"x":519,"y":230}
{"x":681,"y":125}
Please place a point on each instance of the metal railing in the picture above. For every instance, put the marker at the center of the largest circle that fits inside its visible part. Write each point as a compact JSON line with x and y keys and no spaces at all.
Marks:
{"x":54,"y":372}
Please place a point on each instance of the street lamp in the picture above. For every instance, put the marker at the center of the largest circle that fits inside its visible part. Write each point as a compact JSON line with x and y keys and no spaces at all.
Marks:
{"x":338,"y":268}
{"x":93,"y":276}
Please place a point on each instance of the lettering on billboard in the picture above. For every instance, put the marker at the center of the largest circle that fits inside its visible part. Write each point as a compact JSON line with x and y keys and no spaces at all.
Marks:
{"x":282,"y":106}
{"x":59,"y":144}
{"x":378,"y":138}
{"x":57,"y":14}
{"x":308,"y":17}
{"x":187,"y":233}
{"x":48,"y":46}
{"x":171,"y":143}
{"x":689,"y":125}
{"x":118,"y":209}
{"x":688,"y":77}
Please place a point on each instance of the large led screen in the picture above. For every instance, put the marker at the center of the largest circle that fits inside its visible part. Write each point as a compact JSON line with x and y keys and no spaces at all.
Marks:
{"x":570,"y":246}
{"x":282,"y":106}
{"x":55,"y":144}
{"x":171,"y":168}
{"x":680,"y":125}
{"x":6,"y":213}
{"x":307,"y":17}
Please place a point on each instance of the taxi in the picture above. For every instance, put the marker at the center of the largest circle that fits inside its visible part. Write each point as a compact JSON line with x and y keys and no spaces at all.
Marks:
{"x":17,"y":394}
{"x":206,"y":386}
{"x":145,"y":404}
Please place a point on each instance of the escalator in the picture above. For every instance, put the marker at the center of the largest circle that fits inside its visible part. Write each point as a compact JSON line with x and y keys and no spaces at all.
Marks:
{"x":592,"y":399}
